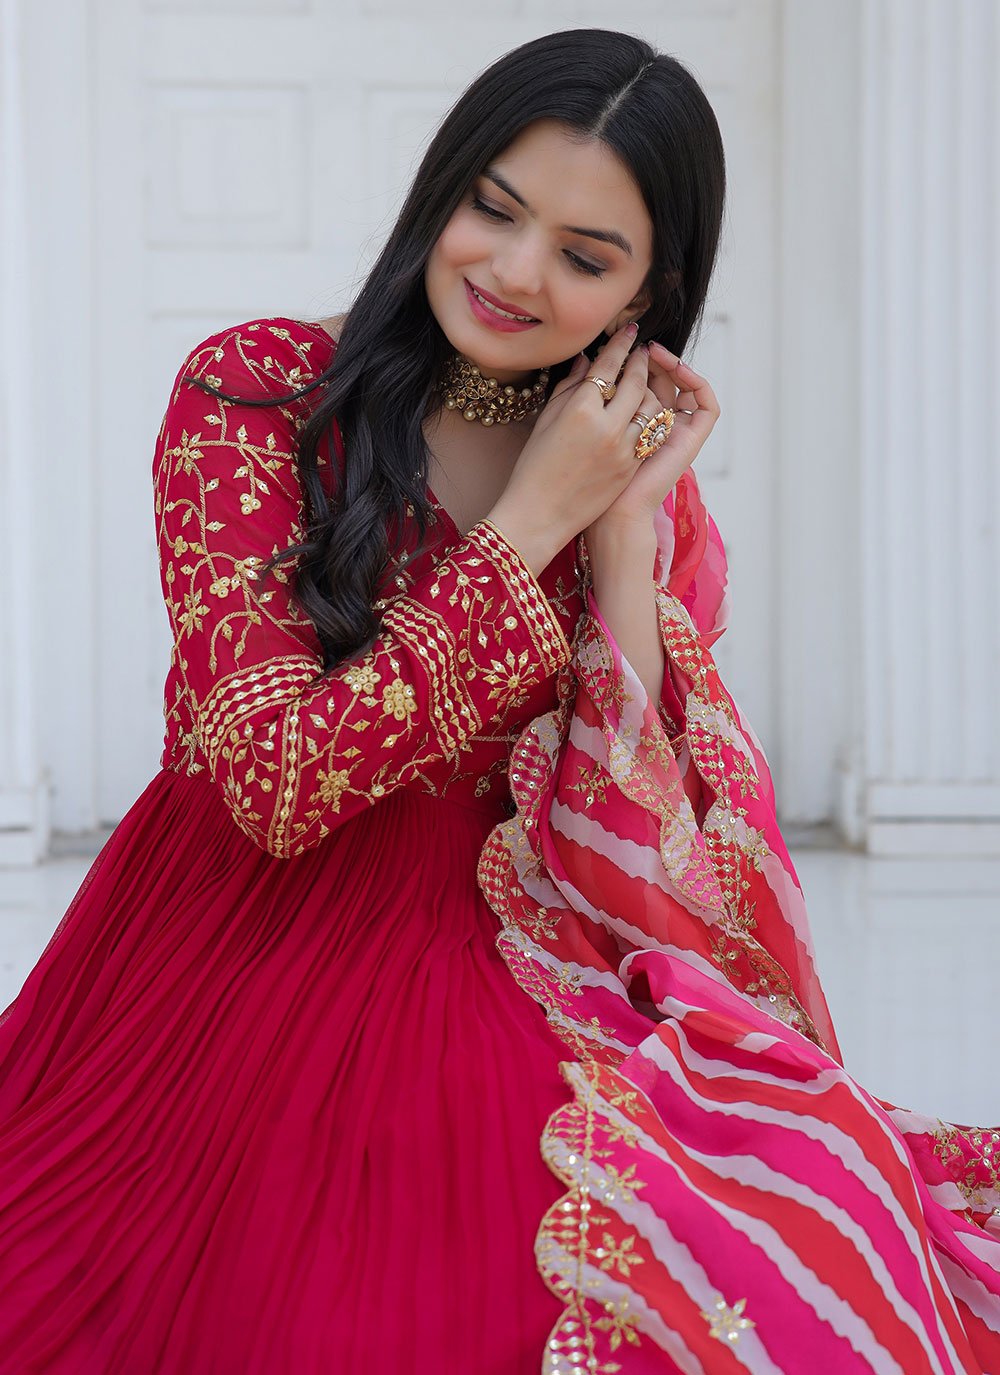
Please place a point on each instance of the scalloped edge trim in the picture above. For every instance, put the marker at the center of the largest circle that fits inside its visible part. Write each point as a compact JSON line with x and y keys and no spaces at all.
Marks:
{"x":580,"y":1330}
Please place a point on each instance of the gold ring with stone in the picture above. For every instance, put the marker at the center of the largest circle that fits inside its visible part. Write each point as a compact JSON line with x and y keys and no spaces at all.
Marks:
{"x":654,"y":433}
{"x":608,"y":389}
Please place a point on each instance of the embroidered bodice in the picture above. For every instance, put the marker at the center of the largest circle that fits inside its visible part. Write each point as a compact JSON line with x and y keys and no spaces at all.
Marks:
{"x":470,"y":645}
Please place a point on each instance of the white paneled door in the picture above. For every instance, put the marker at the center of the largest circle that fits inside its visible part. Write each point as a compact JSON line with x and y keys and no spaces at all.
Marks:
{"x":250,"y":155}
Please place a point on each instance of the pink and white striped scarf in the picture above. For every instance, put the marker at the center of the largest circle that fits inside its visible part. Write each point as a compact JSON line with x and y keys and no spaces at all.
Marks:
{"x":734,"y":1200}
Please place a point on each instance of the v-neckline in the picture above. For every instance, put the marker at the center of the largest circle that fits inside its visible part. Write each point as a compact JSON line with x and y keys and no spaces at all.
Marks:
{"x":441,"y":510}
{"x":433,"y":501}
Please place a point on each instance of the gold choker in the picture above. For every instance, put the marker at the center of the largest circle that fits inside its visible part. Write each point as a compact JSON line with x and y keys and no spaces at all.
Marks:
{"x":464,"y":388}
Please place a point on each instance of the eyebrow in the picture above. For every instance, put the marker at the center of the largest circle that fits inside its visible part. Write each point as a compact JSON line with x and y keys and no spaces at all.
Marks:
{"x":611,"y":236}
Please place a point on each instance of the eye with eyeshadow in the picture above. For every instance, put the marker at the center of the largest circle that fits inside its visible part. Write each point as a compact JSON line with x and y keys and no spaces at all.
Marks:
{"x":580,"y":264}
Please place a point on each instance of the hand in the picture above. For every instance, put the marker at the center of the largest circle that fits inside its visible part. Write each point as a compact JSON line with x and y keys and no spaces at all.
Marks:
{"x":673,"y":384}
{"x":580,"y":455}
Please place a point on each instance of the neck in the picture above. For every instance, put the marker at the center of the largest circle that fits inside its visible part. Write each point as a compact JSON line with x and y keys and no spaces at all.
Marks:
{"x":505,"y":378}
{"x":441,"y":421}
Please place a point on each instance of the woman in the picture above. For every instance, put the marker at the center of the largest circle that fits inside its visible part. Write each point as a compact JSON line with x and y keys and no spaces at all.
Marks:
{"x":459,"y":846}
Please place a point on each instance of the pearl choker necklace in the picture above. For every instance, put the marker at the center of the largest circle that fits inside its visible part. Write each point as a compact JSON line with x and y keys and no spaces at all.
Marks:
{"x":464,"y":388}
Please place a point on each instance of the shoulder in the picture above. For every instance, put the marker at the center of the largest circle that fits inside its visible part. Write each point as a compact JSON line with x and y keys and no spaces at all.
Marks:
{"x":258,"y":361}
{"x":269,"y":356}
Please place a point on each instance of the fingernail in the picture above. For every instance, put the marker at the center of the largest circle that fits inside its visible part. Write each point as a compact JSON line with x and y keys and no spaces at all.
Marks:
{"x":644,"y":347}
{"x":631,"y":329}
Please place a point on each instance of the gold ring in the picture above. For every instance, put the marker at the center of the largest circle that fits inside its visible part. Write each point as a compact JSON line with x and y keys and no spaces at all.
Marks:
{"x":654,"y":433}
{"x":640,"y":419}
{"x":608,"y":389}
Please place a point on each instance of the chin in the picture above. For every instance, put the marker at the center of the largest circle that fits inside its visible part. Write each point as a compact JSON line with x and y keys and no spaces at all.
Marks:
{"x":496,"y":359}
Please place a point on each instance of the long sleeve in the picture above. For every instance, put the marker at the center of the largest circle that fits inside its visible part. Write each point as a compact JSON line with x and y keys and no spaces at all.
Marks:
{"x":293,"y":749}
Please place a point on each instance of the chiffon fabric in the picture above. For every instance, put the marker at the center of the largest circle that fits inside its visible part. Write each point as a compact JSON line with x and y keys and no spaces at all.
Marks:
{"x":455,"y":1009}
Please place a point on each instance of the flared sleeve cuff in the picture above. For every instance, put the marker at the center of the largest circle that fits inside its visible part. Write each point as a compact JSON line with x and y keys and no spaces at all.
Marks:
{"x":483,"y":632}
{"x":540,"y":621}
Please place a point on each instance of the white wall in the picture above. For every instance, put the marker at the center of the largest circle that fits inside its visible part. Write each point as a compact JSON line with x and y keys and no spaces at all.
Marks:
{"x":853,"y":345}
{"x":46,"y":440}
{"x":814,"y":381}
{"x":928,"y":769}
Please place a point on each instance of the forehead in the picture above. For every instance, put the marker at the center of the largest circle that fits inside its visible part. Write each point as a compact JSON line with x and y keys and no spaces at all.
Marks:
{"x":568,"y":180}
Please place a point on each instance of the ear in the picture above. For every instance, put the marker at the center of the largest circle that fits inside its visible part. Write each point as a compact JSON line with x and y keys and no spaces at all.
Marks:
{"x":638,"y":305}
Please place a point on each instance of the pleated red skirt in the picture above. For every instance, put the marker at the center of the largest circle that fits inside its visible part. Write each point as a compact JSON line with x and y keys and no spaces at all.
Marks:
{"x":262,"y":1116}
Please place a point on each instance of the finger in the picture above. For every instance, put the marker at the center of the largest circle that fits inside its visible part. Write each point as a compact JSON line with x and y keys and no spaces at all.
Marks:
{"x":665,"y":465}
{"x":648,"y":406}
{"x":664,"y":380}
{"x":609,"y":360}
{"x":652,"y":402}
{"x":688,"y":381}
{"x":688,"y":434}
{"x":698,"y":387}
{"x":691,"y":398}
{"x":655,"y":400}
{"x":577,"y":372}
{"x":648,"y":403}
{"x":631,"y":388}
{"x":661,"y":388}
{"x":681,"y":424}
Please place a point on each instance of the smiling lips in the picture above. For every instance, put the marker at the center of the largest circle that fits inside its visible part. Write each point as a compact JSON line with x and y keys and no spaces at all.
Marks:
{"x":489,"y":309}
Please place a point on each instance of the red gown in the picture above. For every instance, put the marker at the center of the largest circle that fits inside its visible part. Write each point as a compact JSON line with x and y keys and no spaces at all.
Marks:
{"x":270,"y":1099}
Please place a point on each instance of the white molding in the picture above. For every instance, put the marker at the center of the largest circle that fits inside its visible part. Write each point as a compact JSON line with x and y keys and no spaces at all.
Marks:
{"x":24,"y":824}
{"x":917,"y":819}
{"x":919,"y":838}
{"x":930,"y":801}
{"x":849,"y":817}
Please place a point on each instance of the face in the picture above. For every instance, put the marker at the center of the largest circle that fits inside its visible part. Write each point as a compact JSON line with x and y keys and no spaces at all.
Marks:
{"x":524,"y":244}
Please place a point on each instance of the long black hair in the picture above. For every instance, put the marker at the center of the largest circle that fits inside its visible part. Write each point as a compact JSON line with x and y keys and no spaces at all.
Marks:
{"x":652,"y":113}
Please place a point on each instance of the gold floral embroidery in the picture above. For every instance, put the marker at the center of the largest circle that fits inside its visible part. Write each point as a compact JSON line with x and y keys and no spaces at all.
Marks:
{"x":398,"y":699}
{"x":593,"y":783}
{"x":289,"y":745}
{"x":361,"y":678}
{"x":619,"y":1323}
{"x":332,"y":785}
{"x":620,"y":1256}
{"x":509,"y":679}
{"x":727,"y":1323}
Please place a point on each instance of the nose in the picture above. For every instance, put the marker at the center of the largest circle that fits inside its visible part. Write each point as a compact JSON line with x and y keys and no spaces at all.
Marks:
{"x":518,"y":270}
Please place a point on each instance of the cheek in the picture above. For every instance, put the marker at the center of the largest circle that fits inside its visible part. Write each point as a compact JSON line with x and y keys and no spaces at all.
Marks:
{"x":580,"y":307}
{"x":462,"y":241}
{"x":584,"y":307}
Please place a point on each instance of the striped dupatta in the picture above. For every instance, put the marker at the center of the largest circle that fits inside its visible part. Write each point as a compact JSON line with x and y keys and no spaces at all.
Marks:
{"x":734,"y":1200}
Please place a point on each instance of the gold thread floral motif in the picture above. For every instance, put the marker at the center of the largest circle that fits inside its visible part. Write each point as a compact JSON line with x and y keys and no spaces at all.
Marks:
{"x":725,"y":1323}
{"x":291,"y":746}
